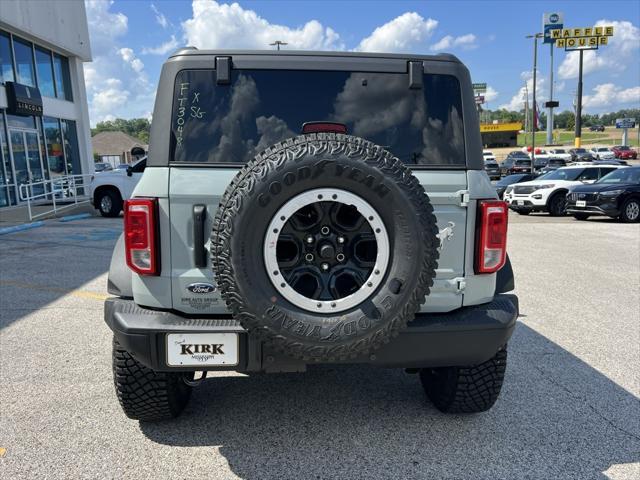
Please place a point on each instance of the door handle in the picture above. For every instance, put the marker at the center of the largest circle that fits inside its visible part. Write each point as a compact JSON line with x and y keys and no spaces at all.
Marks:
{"x":199,"y":252}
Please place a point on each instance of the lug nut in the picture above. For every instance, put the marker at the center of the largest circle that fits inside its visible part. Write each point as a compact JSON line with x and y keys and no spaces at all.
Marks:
{"x":309,"y":239}
{"x":309,"y":257}
{"x":340,"y":257}
{"x":325,"y":266}
{"x":325,"y":230}
{"x":340,"y":239}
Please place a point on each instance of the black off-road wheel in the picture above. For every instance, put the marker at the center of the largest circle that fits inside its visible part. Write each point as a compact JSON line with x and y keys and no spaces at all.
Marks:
{"x":558,"y":205}
{"x":325,"y":246}
{"x":145,"y":394}
{"x":471,"y":389}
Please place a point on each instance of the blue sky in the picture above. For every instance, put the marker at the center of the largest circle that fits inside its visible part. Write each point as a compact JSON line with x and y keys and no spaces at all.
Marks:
{"x":130,"y":40}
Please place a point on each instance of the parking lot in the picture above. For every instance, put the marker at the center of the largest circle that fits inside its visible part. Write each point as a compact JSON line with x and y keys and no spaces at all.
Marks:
{"x":569,"y":407}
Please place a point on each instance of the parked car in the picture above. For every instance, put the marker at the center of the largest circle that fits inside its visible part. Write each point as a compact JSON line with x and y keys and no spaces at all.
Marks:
{"x":616,"y":195}
{"x":520,"y":166}
{"x":603,"y":153}
{"x":488,"y":155}
{"x":493,"y":169}
{"x":510,"y":159}
{"x":265,"y":250}
{"x":611,"y":162}
{"x":540,"y":154}
{"x":553,"y":164}
{"x":584,"y":157}
{"x":539,"y":164}
{"x":596,"y":128}
{"x":624,"y":152}
{"x":574,"y":152}
{"x":505,"y":182}
{"x":108,"y":190}
{"x":102,"y":167}
{"x":560,"y":153}
{"x":548,"y":192}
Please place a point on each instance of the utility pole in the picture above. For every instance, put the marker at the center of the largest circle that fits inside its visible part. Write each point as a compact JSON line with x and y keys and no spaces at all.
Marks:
{"x":526,"y":112}
{"x":579,"y":106}
{"x":550,"y":111}
{"x":534,"y":121}
{"x":277,"y":44}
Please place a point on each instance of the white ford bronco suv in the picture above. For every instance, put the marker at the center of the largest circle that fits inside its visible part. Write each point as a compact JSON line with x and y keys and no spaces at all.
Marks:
{"x":303,"y":208}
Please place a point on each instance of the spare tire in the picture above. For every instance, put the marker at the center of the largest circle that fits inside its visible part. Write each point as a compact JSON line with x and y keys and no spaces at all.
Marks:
{"x":324,"y":245}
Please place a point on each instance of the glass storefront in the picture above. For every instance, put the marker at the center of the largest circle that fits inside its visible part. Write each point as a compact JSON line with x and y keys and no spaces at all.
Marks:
{"x":35,"y":66}
{"x":34,"y":150}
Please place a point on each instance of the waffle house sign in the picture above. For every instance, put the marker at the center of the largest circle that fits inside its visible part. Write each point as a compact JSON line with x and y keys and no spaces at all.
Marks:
{"x":589,"y":38}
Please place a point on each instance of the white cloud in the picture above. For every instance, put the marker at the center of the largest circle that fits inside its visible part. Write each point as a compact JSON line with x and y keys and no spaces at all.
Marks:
{"x":110,"y":97}
{"x":448,"y":42}
{"x":104,"y":26}
{"x":517,"y":101}
{"x":160,"y":18}
{"x":615,"y":56}
{"x":215,"y":25}
{"x":116,"y":81}
{"x":608,"y":95}
{"x":405,"y":33}
{"x":162,"y":49}
{"x":130,"y":57}
{"x":490,"y":95}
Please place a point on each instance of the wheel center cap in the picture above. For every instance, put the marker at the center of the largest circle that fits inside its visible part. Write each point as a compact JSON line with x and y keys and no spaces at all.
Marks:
{"x":327,"y":250}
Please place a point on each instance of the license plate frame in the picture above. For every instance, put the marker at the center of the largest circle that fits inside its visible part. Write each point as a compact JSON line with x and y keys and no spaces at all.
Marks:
{"x":581,"y":203}
{"x":202,"y":349}
{"x":520,"y":203}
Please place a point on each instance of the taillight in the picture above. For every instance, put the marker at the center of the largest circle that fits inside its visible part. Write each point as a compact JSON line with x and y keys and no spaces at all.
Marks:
{"x":140,"y":224}
{"x":491,"y":236}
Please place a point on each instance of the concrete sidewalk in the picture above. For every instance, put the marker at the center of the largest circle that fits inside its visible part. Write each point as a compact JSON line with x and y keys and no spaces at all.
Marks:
{"x":19,"y":215}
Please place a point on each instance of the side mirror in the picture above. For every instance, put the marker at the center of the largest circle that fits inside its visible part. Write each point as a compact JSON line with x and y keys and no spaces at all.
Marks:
{"x":129,"y":171}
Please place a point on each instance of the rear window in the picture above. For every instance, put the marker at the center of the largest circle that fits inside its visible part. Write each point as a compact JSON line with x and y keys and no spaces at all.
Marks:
{"x":229,"y":124}
{"x":523,"y":162}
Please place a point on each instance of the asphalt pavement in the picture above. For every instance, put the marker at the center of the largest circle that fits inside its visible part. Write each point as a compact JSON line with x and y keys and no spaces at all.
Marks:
{"x":569,"y":407}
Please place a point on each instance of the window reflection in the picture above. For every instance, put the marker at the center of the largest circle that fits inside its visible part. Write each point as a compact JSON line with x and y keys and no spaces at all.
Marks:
{"x":6,"y":58}
{"x":24,"y":62}
{"x":53,"y":136}
{"x":262,"y":107}
{"x":45,"y":72}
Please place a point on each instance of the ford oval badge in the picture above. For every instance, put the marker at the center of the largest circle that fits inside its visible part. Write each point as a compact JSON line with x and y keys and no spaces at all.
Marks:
{"x":201,"y":288}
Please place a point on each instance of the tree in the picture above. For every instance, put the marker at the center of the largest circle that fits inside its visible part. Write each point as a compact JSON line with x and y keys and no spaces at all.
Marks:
{"x":136,"y":127}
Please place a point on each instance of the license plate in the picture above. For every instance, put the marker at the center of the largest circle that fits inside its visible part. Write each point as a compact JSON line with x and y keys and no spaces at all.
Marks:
{"x":581,"y":203}
{"x":202,"y":349}
{"x":520,"y":202}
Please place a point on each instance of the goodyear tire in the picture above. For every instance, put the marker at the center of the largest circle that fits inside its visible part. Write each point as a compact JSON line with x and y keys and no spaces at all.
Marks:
{"x":325,"y":246}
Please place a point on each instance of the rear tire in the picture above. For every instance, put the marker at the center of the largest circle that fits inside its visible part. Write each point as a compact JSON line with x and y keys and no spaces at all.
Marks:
{"x":109,"y":203}
{"x":580,"y":216}
{"x":145,"y":394}
{"x":465,"y":389}
{"x":630,"y":211}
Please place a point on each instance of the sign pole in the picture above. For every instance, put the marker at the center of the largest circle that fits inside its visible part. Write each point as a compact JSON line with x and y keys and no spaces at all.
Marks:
{"x":534,"y":120}
{"x":579,"y":106}
{"x":550,"y":111}
{"x":624,"y":136}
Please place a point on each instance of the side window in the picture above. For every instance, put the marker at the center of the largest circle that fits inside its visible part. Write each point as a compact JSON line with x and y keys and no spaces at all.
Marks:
{"x":589,"y":174}
{"x":140,"y":166}
{"x":604,"y":171}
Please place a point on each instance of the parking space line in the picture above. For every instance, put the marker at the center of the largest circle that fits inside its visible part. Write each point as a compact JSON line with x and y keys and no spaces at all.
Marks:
{"x":74,"y":293}
{"x":70,"y":218}
{"x":19,"y":228}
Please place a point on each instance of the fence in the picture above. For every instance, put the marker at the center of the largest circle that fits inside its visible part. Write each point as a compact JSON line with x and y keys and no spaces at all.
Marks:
{"x":62,"y":192}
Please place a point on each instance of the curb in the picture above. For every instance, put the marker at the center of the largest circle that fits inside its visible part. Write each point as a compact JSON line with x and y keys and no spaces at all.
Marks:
{"x":70,"y":218}
{"x":19,"y":228}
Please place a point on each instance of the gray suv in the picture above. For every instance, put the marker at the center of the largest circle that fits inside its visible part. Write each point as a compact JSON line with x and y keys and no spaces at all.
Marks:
{"x":303,"y":208}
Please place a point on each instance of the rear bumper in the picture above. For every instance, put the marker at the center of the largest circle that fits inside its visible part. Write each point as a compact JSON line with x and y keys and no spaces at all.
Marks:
{"x":466,"y":336}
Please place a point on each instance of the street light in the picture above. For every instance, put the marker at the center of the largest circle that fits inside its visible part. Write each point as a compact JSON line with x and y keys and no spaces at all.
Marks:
{"x":277,"y":44}
{"x":535,"y":107}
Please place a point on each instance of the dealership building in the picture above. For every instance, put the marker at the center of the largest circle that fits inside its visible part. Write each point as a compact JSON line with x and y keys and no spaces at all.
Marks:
{"x":44,"y":118}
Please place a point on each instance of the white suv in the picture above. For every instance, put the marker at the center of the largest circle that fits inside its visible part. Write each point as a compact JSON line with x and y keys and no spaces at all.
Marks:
{"x":548,"y":193}
{"x":109,"y":189}
{"x":603,"y":153}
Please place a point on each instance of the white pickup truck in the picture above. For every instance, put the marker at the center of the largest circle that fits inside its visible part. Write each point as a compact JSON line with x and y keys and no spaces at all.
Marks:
{"x":109,"y":189}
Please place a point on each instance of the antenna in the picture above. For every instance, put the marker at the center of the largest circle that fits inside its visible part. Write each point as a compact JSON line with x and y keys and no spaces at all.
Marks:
{"x":277,"y":44}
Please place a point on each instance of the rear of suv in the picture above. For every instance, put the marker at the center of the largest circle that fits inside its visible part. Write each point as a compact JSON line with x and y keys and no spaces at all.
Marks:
{"x":303,"y":208}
